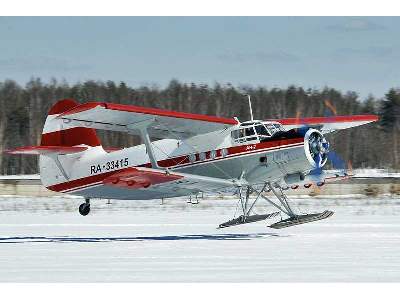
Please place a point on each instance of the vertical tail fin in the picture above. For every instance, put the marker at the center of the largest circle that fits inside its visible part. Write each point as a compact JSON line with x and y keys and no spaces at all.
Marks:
{"x":59,"y":139}
{"x":58,"y":133}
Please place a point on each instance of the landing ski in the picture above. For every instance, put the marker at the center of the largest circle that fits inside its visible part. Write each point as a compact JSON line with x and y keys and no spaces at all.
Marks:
{"x":248,"y":219}
{"x":301,"y":219}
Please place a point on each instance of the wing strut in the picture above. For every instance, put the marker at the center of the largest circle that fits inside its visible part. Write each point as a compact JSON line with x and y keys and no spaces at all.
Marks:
{"x":144,"y":134}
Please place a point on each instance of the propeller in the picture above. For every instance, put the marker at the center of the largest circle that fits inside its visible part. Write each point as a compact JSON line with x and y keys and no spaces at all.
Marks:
{"x":319,"y":147}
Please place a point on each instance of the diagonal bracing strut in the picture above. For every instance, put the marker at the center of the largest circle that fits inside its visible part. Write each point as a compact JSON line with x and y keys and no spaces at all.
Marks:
{"x":284,"y":207}
{"x":282,"y":199}
{"x":244,"y":198}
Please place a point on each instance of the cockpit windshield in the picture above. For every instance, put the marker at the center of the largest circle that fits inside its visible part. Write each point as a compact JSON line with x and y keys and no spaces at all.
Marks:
{"x":261,"y":130}
{"x":273,"y":128}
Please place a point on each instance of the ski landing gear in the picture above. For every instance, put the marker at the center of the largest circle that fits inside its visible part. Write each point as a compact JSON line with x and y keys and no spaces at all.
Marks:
{"x":301,"y":219}
{"x":246,"y":209}
{"x":249,"y":219}
{"x":293,"y":219}
{"x":84,"y":208}
{"x":282,"y":204}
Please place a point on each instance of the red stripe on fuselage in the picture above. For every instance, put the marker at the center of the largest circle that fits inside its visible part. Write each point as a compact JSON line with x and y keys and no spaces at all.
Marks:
{"x":181,"y":161}
{"x":264,"y":145}
{"x":184,"y":160}
{"x":82,"y":182}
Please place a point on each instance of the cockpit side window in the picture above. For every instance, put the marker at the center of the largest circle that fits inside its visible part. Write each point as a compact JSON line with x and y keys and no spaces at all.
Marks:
{"x":255,"y":132}
{"x":245,"y":134}
{"x":249,"y":131}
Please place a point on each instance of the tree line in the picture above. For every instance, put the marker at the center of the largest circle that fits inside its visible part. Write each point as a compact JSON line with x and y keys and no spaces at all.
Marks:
{"x":23,"y":110}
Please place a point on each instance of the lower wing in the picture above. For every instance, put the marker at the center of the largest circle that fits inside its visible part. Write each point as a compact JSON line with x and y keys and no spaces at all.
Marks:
{"x":147,"y":178}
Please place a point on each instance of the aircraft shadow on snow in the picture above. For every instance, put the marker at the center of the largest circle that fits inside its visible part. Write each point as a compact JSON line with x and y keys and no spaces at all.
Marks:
{"x":46,"y":239}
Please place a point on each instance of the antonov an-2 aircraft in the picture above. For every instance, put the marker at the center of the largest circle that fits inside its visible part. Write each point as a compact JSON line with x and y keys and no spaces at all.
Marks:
{"x":193,"y":153}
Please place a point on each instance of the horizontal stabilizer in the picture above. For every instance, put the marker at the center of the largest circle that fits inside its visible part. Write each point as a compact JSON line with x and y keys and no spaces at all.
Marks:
{"x":45,"y":150}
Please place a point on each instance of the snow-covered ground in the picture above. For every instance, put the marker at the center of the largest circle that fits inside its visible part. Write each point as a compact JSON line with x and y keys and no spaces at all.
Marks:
{"x":374,"y":173}
{"x":46,"y":240}
{"x":20,"y":177}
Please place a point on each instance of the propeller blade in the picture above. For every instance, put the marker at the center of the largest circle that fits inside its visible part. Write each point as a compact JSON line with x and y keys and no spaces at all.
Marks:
{"x":318,"y":160}
{"x":336,"y":160}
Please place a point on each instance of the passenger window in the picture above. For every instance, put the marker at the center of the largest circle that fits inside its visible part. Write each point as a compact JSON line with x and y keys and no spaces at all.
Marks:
{"x":224,"y":152}
{"x":202,"y":156}
{"x":213,"y":154}
{"x":192,"y":157}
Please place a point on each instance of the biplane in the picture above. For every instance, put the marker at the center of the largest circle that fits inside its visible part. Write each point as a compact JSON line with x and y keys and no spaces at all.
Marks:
{"x":184,"y":154}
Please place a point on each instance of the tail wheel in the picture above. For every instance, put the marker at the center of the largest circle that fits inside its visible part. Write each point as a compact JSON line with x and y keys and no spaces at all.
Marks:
{"x":84,"y":209}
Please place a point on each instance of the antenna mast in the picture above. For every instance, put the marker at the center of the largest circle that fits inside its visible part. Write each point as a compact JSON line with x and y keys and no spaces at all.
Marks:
{"x":251,"y":110}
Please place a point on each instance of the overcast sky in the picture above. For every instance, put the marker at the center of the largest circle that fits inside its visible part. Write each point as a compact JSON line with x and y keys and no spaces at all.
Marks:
{"x":358,"y":54}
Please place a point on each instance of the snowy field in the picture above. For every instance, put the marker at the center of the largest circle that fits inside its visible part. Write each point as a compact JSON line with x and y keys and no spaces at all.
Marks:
{"x":46,"y":240}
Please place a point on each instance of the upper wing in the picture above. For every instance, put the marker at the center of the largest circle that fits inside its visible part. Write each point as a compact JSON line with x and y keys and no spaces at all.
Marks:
{"x":328,"y":124}
{"x":154,"y":179}
{"x":162,"y":123}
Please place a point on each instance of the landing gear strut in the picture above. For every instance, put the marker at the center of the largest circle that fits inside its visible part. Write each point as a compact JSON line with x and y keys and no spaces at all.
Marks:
{"x":84,"y":208}
{"x":247,"y":217}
